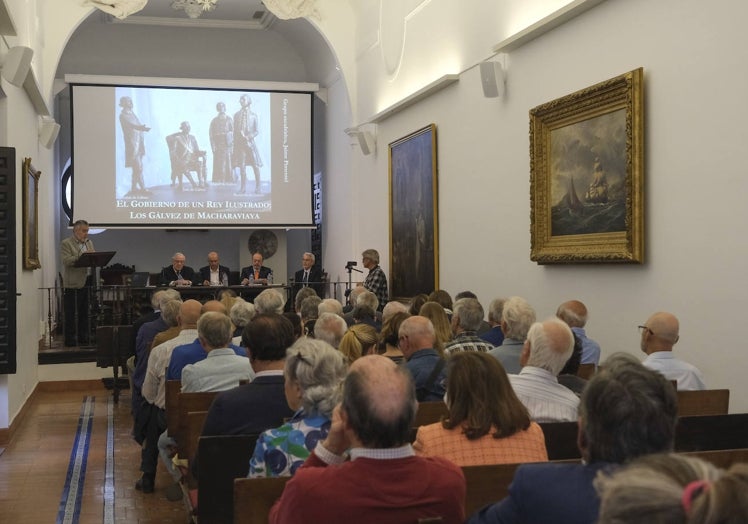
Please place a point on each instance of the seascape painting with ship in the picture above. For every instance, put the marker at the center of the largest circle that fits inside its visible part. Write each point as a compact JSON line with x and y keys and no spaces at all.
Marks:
{"x":588,"y":174}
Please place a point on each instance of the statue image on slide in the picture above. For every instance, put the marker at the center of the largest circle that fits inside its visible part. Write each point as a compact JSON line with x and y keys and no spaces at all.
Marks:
{"x":132,"y":131}
{"x":245,"y":150}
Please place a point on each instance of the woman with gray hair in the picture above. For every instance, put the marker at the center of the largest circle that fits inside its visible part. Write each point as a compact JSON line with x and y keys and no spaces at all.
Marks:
{"x":240,"y":314}
{"x":314,"y":371}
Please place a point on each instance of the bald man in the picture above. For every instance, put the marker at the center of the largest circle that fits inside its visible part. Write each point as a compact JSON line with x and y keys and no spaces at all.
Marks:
{"x":214,"y":274}
{"x":194,"y":352}
{"x":373,"y":424}
{"x":548,"y":346}
{"x":416,"y":340}
{"x":658,"y":336}
{"x":574,"y":313}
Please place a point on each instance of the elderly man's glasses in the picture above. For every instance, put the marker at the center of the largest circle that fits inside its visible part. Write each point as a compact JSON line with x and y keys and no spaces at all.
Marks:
{"x":642,"y":329}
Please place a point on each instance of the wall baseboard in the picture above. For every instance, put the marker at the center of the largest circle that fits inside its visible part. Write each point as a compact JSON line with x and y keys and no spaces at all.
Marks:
{"x":6,"y":434}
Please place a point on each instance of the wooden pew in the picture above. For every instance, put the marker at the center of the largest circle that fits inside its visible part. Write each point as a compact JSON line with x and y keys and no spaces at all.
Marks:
{"x":189,"y":402}
{"x":222,"y":459}
{"x":171,"y":404}
{"x":195,"y":421}
{"x":705,"y":402}
{"x":253,"y":498}
{"x":430,"y":412}
{"x":712,"y":432}
{"x":561,"y":440}
{"x":586,"y":371}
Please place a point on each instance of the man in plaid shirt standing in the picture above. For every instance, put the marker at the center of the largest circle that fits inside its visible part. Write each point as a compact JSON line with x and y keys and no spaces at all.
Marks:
{"x":376,"y":280}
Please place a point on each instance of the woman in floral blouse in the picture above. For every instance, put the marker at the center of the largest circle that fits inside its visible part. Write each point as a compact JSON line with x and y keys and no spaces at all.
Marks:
{"x":314,"y":371}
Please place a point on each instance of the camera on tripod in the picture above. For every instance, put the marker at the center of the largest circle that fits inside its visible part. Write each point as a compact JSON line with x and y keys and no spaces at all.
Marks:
{"x":350,"y":264}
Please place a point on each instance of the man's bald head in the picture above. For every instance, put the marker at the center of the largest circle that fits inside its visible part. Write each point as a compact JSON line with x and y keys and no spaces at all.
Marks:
{"x":661,"y":333}
{"x":214,"y":305}
{"x":417,"y":333}
{"x":189,"y":313}
{"x":573,"y":312}
{"x":379,"y":401}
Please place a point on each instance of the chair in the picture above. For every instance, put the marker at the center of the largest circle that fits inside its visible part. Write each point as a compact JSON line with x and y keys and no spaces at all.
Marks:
{"x":184,"y":161}
{"x":253,"y":498}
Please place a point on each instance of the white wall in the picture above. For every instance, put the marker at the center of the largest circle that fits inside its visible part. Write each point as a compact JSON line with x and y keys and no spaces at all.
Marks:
{"x":695,"y":83}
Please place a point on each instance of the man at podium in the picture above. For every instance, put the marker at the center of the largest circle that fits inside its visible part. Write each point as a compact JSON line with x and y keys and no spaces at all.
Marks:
{"x":76,"y":282}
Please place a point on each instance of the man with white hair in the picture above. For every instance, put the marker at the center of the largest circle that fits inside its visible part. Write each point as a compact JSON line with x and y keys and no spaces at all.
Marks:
{"x":367,"y":299}
{"x":548,"y":346}
{"x":516,"y":319}
{"x":494,"y":335}
{"x":659,"y":335}
{"x":330,"y":328}
{"x":330,"y":305}
{"x":309,"y":275}
{"x":391,"y":308}
{"x":270,"y":301}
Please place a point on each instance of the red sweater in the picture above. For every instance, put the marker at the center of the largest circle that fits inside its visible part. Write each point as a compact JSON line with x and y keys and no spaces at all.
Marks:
{"x":373,"y":491}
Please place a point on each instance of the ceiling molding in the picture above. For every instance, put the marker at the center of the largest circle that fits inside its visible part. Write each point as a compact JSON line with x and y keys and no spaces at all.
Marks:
{"x":206,"y":23}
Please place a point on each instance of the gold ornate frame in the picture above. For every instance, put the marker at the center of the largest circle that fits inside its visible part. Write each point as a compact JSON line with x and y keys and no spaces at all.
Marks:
{"x":30,"y":216}
{"x":592,"y":141}
{"x":414,"y":233}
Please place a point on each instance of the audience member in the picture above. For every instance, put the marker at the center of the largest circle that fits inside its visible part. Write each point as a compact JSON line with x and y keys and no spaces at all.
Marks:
{"x":548,"y":346}
{"x":365,"y":315}
{"x":417,"y":303}
{"x":309,"y":312}
{"x":222,"y":368}
{"x":170,"y":315}
{"x":484,"y":326}
{"x":494,"y":335}
{"x":442,"y":328}
{"x":302,"y":294}
{"x":487,"y":424}
{"x":389,"y":337}
{"x":270,"y":301}
{"x":194,"y":352}
{"x":330,"y":328}
{"x":392,"y":307}
{"x":352,"y":295}
{"x":574,"y":313}
{"x":241,"y":314}
{"x":673,"y":489}
{"x":416,"y":340}
{"x":442,"y":298}
{"x":659,"y":335}
{"x":177,"y":274}
{"x":466,"y":319}
{"x":214,"y":274}
{"x":330,"y":305}
{"x":383,"y":481}
{"x":256,"y":273}
{"x":151,"y":418}
{"x":626,"y":411}
{"x":261,"y":404}
{"x":567,"y":377}
{"x":516,"y":319}
{"x":295,"y":321}
{"x":309,"y":275}
{"x":376,"y":280}
{"x":360,"y":340}
{"x":314,"y":372}
{"x":366,"y":299}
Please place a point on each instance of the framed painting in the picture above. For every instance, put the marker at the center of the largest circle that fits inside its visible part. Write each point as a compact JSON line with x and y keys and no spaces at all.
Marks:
{"x":30,"y":216}
{"x":414,"y":237}
{"x":586,"y":175}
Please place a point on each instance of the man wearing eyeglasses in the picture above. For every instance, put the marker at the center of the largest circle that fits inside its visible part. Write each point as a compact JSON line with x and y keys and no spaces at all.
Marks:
{"x":658,"y":336}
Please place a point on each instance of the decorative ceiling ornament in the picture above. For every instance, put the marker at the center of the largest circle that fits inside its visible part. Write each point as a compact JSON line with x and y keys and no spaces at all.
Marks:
{"x":194,"y":8}
{"x":118,"y":8}
{"x":288,"y":9}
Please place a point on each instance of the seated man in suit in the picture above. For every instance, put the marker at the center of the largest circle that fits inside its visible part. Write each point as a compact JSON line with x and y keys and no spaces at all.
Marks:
{"x":261,"y":404}
{"x":517,"y":316}
{"x":378,"y":483}
{"x":177,"y":274}
{"x":214,"y":274}
{"x":256,"y":273}
{"x":627,"y":411}
{"x":309,"y":275}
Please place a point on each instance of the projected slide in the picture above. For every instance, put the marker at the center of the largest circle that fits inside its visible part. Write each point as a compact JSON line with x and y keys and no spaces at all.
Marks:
{"x":172,"y":157}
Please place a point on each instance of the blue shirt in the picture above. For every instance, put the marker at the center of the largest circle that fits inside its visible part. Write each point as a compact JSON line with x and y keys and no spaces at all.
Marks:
{"x":590,"y":348}
{"x":421,"y":364}
{"x":190,"y":354}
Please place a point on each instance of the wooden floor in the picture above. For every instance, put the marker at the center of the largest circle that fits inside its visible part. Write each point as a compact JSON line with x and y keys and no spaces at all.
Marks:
{"x":34,"y":465}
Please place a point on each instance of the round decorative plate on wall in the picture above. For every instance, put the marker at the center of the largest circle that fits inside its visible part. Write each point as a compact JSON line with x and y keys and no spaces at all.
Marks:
{"x":263,"y":241}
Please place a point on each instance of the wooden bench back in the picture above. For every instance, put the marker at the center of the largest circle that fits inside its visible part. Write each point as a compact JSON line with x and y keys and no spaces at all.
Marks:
{"x":430,"y":412}
{"x":222,"y":459}
{"x":712,"y":432}
{"x":705,"y":402}
{"x":586,"y":371}
{"x":253,"y":498}
{"x":561,"y":440}
{"x":189,"y":402}
{"x":171,"y":404}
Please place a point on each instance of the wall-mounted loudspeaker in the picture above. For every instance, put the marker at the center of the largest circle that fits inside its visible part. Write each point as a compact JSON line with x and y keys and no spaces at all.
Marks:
{"x":16,"y":64}
{"x":48,"y":131}
{"x":492,"y":79}
{"x":367,"y":142}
